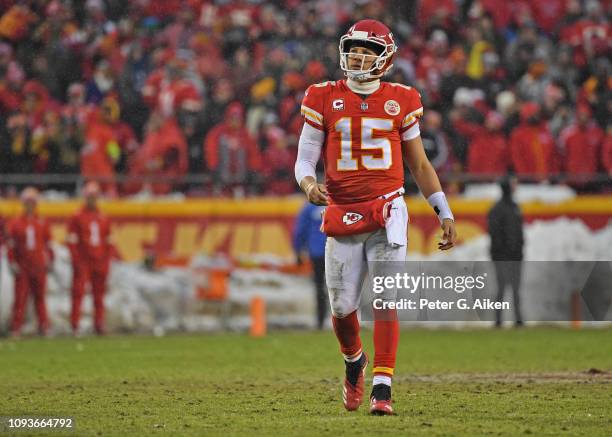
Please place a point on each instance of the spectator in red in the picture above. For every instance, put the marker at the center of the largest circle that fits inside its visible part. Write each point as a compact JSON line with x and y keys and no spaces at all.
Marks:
{"x":548,"y":13}
{"x":125,"y":137}
{"x":279,"y":159}
{"x":30,"y":256}
{"x":315,"y":72}
{"x":581,"y":144}
{"x":437,"y":12}
{"x":487,"y":152}
{"x":230,"y":151}
{"x":532,"y":149}
{"x":241,"y":19}
{"x":163,"y":156}
{"x":168,"y":92}
{"x":590,"y":35}
{"x":101,"y":151}
{"x":90,"y":250}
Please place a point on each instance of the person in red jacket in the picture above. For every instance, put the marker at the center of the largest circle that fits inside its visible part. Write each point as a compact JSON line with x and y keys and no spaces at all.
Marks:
{"x":90,"y":249}
{"x":162,"y":158}
{"x":532,"y":148}
{"x":101,"y":150}
{"x":29,"y":255}
{"x":581,"y":143}
{"x":279,"y":159}
{"x":168,"y":91}
{"x":487,"y":150}
{"x":231,"y":152}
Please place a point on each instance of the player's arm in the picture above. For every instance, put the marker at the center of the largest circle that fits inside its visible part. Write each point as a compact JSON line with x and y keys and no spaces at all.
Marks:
{"x":429,"y":184}
{"x":309,"y":152}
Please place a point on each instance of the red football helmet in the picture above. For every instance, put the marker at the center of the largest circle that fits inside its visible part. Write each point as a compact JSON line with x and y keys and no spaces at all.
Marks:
{"x":375,"y":36}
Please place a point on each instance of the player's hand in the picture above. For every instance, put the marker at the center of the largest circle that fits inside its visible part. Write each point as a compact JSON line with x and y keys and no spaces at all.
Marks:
{"x":449,"y":237}
{"x":14,"y":268}
{"x":317,"y":194}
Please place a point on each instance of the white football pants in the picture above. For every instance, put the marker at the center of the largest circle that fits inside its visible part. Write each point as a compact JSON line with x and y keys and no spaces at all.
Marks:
{"x":346,"y":266}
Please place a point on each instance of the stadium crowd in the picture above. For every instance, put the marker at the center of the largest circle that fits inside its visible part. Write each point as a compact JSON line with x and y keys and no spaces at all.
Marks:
{"x":159,"y":89}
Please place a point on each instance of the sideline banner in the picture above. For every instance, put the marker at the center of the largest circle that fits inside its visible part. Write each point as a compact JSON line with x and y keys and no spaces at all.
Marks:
{"x":264,"y":225}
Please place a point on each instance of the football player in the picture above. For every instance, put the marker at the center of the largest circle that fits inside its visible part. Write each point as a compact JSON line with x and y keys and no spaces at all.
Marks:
{"x":365,"y":129}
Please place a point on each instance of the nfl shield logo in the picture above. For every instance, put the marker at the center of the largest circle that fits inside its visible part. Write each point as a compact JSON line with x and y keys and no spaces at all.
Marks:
{"x":364,"y":106}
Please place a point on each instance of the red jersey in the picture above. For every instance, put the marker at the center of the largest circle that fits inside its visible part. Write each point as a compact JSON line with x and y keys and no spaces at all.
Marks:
{"x":532,"y":151}
{"x":96,"y":159}
{"x":582,"y":146}
{"x":28,"y":241}
{"x":362,"y":151}
{"x":168,"y":97}
{"x":89,"y":238}
{"x":488,"y":154}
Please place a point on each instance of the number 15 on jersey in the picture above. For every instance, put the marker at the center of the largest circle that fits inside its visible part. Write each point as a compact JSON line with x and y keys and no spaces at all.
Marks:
{"x":376,"y":149}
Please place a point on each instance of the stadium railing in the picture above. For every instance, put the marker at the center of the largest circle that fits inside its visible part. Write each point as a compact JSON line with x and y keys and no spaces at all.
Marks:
{"x":72,"y":183}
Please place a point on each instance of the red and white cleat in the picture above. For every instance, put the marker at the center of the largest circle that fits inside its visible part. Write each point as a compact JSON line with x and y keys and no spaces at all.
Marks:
{"x":352,"y":391}
{"x":380,"y":400}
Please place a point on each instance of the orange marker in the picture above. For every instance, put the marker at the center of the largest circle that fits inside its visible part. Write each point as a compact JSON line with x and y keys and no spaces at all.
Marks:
{"x":258,"y":317}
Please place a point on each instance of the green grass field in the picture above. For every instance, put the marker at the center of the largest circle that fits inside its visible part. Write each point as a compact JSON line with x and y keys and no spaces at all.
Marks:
{"x":504,"y":382}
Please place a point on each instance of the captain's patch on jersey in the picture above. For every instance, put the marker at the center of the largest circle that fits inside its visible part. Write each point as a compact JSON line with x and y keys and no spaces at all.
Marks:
{"x":338,"y":105}
{"x":350,"y":218}
{"x":392,"y":107}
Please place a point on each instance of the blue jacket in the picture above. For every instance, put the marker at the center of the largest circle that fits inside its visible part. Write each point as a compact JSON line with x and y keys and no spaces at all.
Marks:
{"x":307,"y":234}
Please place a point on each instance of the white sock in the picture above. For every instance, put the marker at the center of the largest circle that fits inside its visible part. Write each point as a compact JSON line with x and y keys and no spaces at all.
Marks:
{"x":353,"y":358}
{"x":379,"y":379}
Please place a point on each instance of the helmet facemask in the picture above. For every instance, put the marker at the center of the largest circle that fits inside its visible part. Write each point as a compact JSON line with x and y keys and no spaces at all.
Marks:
{"x":381,"y":61}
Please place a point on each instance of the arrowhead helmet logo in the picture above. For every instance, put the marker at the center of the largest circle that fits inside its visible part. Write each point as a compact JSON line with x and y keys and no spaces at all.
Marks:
{"x":350,"y":218}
